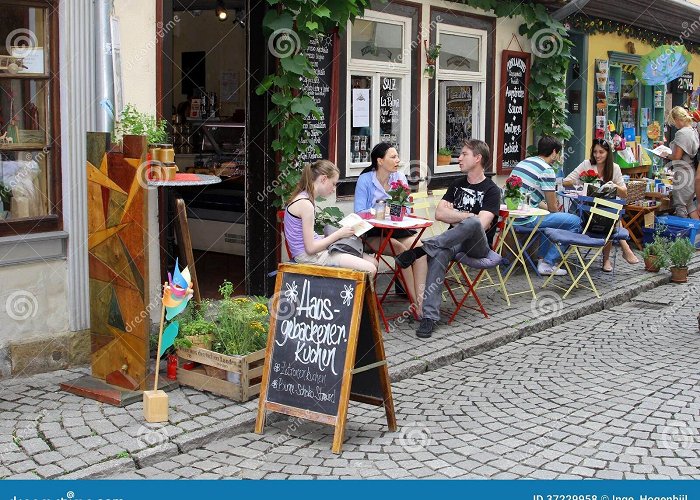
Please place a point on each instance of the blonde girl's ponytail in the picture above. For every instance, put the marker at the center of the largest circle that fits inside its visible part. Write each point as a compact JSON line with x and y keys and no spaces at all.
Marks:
{"x":309,"y":174}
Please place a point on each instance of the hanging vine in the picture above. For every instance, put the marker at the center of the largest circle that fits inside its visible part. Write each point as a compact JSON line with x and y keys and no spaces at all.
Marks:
{"x":290,"y":27}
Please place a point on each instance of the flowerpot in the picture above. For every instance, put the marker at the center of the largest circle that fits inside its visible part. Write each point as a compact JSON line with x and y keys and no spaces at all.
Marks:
{"x":444,"y":159}
{"x":512,"y":203}
{"x":650,"y":264}
{"x":590,"y":188}
{"x":396,"y":212}
{"x":201,"y":341}
{"x":679,"y":274}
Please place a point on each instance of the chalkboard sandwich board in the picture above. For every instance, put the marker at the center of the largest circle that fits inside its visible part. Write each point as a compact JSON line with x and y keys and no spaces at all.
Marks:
{"x":512,"y":120}
{"x":324,"y":348}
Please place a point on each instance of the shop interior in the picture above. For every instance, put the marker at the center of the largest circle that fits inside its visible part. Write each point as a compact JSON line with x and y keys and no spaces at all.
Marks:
{"x":204,"y":98}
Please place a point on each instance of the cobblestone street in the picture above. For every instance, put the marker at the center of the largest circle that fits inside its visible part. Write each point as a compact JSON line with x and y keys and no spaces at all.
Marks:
{"x":612,"y":395}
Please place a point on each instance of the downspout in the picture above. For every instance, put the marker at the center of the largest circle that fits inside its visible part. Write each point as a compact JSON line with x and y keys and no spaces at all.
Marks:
{"x":104,"y":81}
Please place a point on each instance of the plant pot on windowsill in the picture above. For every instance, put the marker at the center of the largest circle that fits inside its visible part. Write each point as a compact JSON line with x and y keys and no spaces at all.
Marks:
{"x":679,"y":274}
{"x":396,"y":212}
{"x":444,"y":159}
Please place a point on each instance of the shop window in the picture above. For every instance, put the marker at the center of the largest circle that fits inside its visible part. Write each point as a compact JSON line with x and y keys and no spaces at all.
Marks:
{"x":28,"y":160}
{"x":379,"y":87}
{"x":461,"y":79}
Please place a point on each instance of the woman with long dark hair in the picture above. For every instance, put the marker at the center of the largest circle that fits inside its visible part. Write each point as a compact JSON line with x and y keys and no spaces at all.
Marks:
{"x":601,"y":160}
{"x":373,"y":186}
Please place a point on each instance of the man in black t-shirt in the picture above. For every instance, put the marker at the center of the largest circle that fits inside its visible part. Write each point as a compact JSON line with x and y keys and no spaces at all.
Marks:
{"x":470,"y":206}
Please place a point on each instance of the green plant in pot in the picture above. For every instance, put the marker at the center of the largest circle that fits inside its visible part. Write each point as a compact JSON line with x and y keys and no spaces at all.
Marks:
{"x":655,"y":254}
{"x":511,"y":192}
{"x":133,"y":122}
{"x":679,"y":254}
{"x":195,"y":328}
{"x":444,"y":156}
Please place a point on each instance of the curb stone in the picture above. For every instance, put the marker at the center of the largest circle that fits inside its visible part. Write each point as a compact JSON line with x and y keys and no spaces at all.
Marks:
{"x":104,"y":469}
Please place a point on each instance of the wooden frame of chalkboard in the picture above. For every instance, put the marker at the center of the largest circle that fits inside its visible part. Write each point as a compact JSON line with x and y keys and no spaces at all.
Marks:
{"x":309,"y":386}
{"x":507,"y":86}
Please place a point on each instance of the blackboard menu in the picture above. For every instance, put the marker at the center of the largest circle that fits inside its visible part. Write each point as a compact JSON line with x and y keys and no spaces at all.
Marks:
{"x":458,"y":120}
{"x":389,"y":109}
{"x":310,"y":344}
{"x":320,"y":55}
{"x":515,"y":71}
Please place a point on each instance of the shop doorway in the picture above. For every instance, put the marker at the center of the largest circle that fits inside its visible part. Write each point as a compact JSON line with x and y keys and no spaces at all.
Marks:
{"x":203,"y":97}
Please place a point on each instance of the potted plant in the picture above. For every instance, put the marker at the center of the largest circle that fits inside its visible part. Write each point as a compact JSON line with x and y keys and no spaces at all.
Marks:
{"x":444,"y":156}
{"x":591,"y":181}
{"x":133,"y":122}
{"x":511,"y":192}
{"x":679,"y":253}
{"x":399,"y":193}
{"x":431,"y":54}
{"x":655,"y":254}
{"x":195,"y":327}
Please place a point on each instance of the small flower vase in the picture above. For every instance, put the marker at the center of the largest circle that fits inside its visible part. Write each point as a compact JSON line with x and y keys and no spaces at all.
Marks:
{"x":512,"y":203}
{"x":396,"y":212}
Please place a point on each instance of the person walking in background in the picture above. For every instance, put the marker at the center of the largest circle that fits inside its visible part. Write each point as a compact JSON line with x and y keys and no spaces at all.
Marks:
{"x":601,"y":160}
{"x":684,"y":147}
{"x":307,"y":247}
{"x":471,"y":206}
{"x":373,"y":186}
{"x":539,"y":181}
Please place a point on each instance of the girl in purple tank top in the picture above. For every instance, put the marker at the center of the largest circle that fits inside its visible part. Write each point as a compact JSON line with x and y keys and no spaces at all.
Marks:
{"x":307,"y":247}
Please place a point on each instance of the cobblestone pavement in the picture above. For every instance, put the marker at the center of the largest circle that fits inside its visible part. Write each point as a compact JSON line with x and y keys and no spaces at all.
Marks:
{"x":48,"y":433}
{"x":613,"y":396}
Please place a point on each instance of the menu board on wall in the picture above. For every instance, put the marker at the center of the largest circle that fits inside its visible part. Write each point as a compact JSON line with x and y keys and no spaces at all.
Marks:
{"x":459,"y":104}
{"x":320,"y":54}
{"x":389,"y":109}
{"x":512,"y":122}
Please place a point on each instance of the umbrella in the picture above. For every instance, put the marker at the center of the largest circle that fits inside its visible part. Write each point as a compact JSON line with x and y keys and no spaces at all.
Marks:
{"x":663,"y":64}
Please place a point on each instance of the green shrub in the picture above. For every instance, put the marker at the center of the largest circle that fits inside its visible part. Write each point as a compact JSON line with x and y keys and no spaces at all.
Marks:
{"x":680,"y":252}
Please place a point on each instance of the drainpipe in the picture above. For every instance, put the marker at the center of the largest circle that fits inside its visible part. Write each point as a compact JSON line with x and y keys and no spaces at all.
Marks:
{"x":104,"y":81}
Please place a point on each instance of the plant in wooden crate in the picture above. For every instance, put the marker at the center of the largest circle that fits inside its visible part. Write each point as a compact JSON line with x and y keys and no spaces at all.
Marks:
{"x":444,"y":156}
{"x":195,"y":327}
{"x":233,"y":366}
{"x":655,"y":254}
{"x":679,"y":254}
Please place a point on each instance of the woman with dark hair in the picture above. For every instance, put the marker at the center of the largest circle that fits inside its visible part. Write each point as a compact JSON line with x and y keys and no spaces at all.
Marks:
{"x":601,"y":160}
{"x":373,"y":186}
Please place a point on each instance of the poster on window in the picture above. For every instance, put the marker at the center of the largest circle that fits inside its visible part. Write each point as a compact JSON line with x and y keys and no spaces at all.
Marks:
{"x":360,"y":107}
{"x":459,"y":101}
{"x":512,"y":122}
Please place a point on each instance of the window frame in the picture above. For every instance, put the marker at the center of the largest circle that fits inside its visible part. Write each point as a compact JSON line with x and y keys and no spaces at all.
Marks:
{"x":376,"y":70}
{"x":477,"y":79}
{"x":53,"y":221}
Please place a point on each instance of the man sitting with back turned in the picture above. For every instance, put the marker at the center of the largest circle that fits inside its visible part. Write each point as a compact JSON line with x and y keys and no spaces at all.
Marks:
{"x":471,"y":206}
{"x":539,"y":180}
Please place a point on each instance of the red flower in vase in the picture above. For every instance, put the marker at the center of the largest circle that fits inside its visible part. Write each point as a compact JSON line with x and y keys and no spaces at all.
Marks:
{"x":589,"y":176}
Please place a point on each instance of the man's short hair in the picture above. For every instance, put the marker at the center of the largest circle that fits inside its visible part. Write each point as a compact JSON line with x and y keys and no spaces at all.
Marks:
{"x":547,"y":145}
{"x":478,"y":147}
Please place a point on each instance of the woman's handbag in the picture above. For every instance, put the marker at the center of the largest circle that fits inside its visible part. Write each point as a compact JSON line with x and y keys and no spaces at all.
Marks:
{"x":600,"y":225}
{"x":352,"y":245}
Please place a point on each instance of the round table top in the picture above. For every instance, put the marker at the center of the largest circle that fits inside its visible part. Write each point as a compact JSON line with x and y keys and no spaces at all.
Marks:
{"x":182,"y":180}
{"x":526,"y":212}
{"x":419,"y":223}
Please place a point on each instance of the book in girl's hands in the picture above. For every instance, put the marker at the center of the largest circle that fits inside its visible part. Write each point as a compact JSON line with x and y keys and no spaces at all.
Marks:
{"x":359,"y":225}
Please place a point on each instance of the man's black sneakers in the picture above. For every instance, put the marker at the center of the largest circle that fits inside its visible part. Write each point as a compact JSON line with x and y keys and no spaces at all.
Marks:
{"x":426,"y":327}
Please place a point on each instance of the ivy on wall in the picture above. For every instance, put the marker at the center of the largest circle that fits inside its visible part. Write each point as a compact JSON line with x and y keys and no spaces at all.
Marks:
{"x":291,"y":25}
{"x":596,"y":26}
{"x":289,"y":29}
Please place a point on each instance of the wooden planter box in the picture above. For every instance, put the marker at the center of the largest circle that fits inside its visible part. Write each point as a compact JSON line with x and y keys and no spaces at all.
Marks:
{"x":249,"y":368}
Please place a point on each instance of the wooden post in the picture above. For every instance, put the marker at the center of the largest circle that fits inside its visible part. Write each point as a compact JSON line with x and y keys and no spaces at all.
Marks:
{"x":155,"y":402}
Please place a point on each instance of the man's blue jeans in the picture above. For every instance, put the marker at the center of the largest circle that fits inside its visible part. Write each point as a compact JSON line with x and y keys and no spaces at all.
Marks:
{"x":558,"y":220}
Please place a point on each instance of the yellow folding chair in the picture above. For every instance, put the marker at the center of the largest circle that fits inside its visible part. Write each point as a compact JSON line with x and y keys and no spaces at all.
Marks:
{"x":589,"y":243}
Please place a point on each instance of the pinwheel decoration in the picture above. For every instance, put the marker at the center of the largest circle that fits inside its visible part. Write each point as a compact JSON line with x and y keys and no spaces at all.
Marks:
{"x":663,"y":64}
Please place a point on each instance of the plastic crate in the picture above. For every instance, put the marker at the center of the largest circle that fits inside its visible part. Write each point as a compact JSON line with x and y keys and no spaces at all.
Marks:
{"x":672,"y":222}
{"x":670,"y":232}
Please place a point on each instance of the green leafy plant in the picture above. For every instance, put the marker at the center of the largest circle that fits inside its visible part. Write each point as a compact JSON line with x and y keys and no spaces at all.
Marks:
{"x":133,"y":122}
{"x":433,"y":52}
{"x":327,"y":216}
{"x":291,"y":25}
{"x":241,"y":323}
{"x":444,"y":152}
{"x":399,"y":194}
{"x":657,"y":248}
{"x":680,"y":252}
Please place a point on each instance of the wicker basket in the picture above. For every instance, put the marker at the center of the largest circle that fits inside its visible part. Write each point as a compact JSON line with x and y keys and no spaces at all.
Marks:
{"x":635,"y":191}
